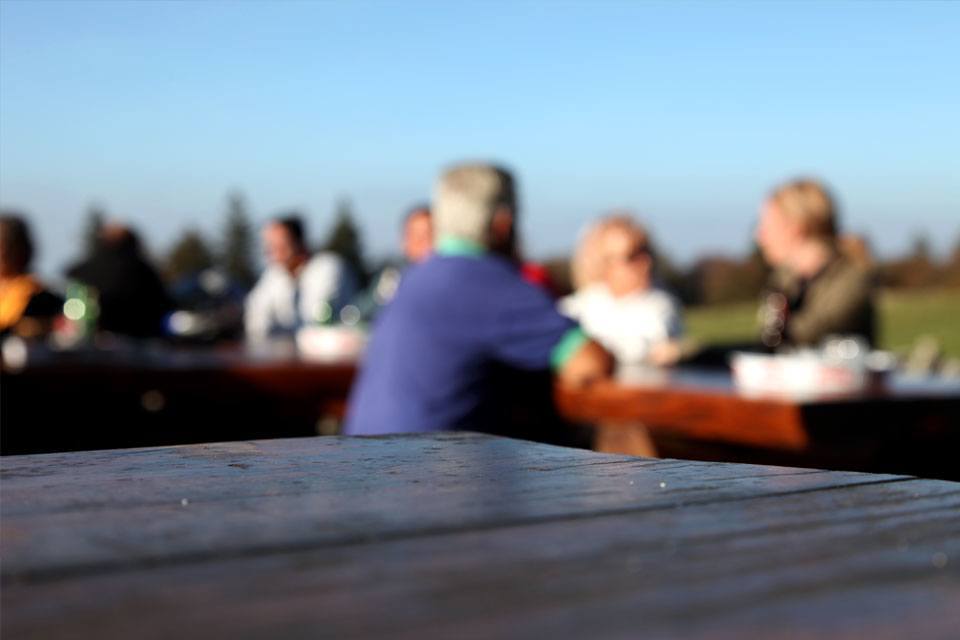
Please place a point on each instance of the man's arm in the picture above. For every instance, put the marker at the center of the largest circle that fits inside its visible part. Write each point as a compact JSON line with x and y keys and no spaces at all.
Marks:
{"x":257,"y":312}
{"x":532,"y":334}
{"x":326,"y":280}
{"x":589,"y":363}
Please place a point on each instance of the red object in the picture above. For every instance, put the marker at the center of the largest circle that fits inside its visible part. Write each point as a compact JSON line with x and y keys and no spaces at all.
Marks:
{"x":537,"y":275}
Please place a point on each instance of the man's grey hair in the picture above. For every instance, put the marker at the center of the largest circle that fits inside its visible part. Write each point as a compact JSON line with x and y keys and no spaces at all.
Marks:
{"x":466,"y":198}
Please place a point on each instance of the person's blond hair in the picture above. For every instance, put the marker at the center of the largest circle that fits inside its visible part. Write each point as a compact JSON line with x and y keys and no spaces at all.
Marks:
{"x":466,"y":198}
{"x":809,"y":203}
{"x":589,"y":262}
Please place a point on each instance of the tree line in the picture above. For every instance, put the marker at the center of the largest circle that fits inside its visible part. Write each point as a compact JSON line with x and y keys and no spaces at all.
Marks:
{"x":708,"y":280}
{"x":728,"y":279}
{"x":234,"y":253}
{"x":720,"y":280}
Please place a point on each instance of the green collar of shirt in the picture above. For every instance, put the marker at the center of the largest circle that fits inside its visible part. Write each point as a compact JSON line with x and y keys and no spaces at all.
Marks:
{"x":569,"y":344}
{"x":454,"y":246}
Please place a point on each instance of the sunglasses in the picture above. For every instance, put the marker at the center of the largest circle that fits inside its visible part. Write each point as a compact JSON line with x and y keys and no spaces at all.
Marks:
{"x":635,"y":254}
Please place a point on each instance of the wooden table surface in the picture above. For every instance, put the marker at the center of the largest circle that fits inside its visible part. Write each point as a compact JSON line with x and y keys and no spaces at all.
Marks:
{"x":156,"y":396}
{"x":148,"y":395}
{"x":906,"y":425}
{"x":464,"y":535}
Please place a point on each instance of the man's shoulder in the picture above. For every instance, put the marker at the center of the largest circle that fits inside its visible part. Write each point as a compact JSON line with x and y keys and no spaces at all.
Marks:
{"x":271,"y":275}
{"x":470,"y":271}
{"x":482,"y":285}
{"x":325,"y":268}
{"x":323,"y":261}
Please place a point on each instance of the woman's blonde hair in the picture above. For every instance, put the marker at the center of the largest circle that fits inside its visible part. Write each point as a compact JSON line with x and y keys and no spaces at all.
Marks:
{"x":589,"y":262}
{"x":809,"y":203}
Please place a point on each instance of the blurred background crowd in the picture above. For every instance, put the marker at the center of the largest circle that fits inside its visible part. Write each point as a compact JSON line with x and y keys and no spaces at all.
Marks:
{"x":698,"y":117}
{"x":208,"y":290}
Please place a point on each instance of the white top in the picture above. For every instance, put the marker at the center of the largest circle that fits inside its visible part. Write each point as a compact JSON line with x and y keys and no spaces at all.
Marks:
{"x":281,"y":303}
{"x":628,"y":326}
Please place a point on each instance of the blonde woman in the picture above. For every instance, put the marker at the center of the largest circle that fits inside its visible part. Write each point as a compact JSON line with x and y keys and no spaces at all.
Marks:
{"x":617,"y":301}
{"x":816,"y":291}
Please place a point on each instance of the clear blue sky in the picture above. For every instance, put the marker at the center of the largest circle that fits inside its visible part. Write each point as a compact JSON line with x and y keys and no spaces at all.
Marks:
{"x":686,"y":112}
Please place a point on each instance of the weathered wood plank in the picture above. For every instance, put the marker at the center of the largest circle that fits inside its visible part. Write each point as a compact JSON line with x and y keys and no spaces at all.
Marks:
{"x":877,"y":560}
{"x":93,"y":511}
{"x":227,"y":471}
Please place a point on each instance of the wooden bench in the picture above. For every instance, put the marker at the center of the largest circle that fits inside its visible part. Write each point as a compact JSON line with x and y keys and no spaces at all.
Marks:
{"x":464,"y":535}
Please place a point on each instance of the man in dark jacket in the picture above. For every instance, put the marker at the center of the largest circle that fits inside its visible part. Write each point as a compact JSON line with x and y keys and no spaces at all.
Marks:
{"x":131,"y":296}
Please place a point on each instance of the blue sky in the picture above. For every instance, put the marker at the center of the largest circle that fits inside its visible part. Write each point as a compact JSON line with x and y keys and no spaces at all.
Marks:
{"x":686,"y":112}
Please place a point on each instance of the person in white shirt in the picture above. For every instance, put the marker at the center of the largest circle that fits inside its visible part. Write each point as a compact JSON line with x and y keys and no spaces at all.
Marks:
{"x":617,"y":301}
{"x":296,"y":288}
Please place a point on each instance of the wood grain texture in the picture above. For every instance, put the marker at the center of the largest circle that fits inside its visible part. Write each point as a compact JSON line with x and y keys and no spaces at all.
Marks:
{"x":330,"y":491}
{"x":468,"y":536}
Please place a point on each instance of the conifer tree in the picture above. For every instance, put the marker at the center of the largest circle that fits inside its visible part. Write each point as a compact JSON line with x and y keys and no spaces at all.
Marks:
{"x":344,"y":240}
{"x":236,"y":257}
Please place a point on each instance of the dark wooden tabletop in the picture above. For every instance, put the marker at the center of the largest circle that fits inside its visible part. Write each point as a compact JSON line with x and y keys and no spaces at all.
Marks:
{"x":144,"y":395}
{"x":463,"y":535}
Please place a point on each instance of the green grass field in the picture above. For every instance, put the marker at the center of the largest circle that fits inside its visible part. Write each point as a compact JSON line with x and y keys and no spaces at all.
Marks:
{"x":904,"y":317}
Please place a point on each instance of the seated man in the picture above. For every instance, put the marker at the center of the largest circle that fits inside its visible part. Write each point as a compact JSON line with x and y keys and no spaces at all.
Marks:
{"x":417,"y":235}
{"x":132,"y":298}
{"x":815,"y":290}
{"x":440,"y":349}
{"x":617,"y":301}
{"x":295,"y":289}
{"x":417,"y":242}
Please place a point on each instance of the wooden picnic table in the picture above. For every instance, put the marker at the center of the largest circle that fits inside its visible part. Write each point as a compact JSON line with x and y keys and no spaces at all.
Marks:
{"x":904,"y":424}
{"x":466,"y":535}
{"x":155,"y":396}
{"x":146,"y":395}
